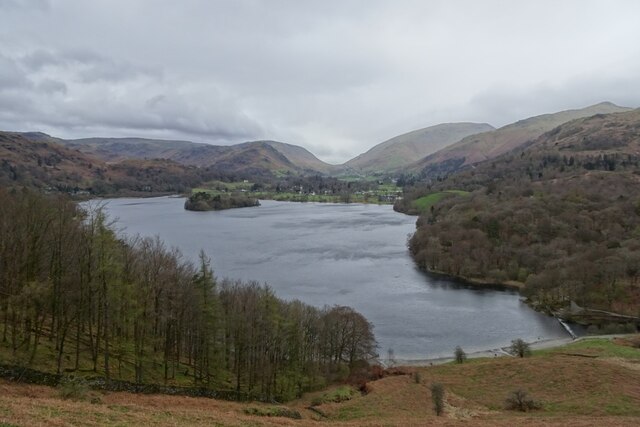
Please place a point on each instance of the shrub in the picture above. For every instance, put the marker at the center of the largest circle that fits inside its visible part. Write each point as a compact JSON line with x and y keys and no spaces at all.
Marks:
{"x":342,"y":373}
{"x":73,"y":387}
{"x":520,"y":348}
{"x":593,"y":330}
{"x":437,"y":396}
{"x":274,"y":411}
{"x":339,"y":394}
{"x":519,"y":400}
{"x":317,"y":401}
{"x":459,"y":355}
{"x":417,"y":378}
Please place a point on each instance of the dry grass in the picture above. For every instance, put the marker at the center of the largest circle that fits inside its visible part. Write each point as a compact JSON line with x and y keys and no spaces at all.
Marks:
{"x":28,"y":405}
{"x":575,"y":391}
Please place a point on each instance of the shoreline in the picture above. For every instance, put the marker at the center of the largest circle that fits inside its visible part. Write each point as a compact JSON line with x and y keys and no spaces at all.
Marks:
{"x":503,"y":351}
{"x":479,"y":283}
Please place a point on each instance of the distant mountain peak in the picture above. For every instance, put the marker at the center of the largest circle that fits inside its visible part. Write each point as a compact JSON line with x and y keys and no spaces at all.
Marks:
{"x":396,"y":153}
{"x":606,"y":104}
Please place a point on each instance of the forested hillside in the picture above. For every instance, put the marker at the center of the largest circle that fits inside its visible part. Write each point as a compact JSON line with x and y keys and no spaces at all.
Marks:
{"x":48,"y":166}
{"x":561,"y":217}
{"x":45,"y":165}
{"x":76,"y":298}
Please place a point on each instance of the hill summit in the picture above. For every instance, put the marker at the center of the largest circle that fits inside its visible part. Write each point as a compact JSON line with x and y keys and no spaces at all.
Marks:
{"x":397,"y":153}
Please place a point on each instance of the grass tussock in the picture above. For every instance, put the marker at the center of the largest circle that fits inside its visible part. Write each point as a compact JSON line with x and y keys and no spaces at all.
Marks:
{"x":73,"y":387}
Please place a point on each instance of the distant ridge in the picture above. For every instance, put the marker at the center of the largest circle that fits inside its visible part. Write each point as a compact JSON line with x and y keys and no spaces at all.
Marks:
{"x":399,"y":152}
{"x":248,"y":157}
{"x":430,"y":152}
{"x":488,"y":145}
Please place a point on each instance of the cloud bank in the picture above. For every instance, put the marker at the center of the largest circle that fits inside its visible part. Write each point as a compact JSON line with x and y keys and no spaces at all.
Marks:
{"x":336,"y":77}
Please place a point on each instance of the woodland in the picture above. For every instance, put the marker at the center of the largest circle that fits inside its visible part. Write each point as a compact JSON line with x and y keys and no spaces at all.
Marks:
{"x":76,"y":298}
{"x":559,"y":217}
{"x":203,"y":201}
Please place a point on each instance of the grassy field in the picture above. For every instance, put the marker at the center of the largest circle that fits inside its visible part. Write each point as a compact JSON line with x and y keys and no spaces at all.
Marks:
{"x":425,"y":202}
{"x":219,"y":187}
{"x":592,"y":382}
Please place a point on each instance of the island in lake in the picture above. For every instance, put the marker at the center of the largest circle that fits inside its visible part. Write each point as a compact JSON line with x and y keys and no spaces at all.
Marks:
{"x":206,"y":201}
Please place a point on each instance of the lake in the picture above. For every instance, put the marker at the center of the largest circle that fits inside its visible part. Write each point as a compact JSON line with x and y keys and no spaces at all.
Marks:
{"x":342,"y":254}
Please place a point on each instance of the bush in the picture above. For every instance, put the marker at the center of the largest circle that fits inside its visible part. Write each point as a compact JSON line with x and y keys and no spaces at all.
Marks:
{"x":340,"y":394}
{"x":520,"y":348}
{"x":519,"y":400}
{"x":337,"y":395}
{"x":459,"y":355}
{"x":342,"y":373}
{"x":73,"y":387}
{"x":317,"y":401}
{"x":274,"y":411}
{"x":437,"y":396}
{"x":417,"y":378}
{"x":593,"y":330}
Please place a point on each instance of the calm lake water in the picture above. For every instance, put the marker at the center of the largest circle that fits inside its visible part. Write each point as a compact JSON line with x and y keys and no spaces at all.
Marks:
{"x":355,"y":255}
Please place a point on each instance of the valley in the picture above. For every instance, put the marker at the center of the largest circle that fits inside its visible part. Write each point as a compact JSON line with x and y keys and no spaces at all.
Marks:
{"x":549,"y":215}
{"x":285,"y":213}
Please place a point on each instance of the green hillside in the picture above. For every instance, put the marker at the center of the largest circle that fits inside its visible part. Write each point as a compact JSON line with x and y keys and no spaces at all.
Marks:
{"x":397,"y":153}
{"x":560,"y":216}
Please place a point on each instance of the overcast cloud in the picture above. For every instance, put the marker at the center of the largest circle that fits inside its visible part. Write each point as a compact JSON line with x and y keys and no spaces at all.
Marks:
{"x":336,"y":77}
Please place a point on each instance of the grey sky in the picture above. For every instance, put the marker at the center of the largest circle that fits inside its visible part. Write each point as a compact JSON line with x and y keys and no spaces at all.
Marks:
{"x":336,"y":77}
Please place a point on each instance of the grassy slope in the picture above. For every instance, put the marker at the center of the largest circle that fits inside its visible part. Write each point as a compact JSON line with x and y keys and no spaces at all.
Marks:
{"x":303,"y":158}
{"x":400,"y":151}
{"x":425,"y":202}
{"x":117,"y":149}
{"x":574,"y":390}
{"x":488,"y":145}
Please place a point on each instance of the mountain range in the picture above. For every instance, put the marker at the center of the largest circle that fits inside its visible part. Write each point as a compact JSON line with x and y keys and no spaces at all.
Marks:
{"x":429,"y":152}
{"x":247,"y":157}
